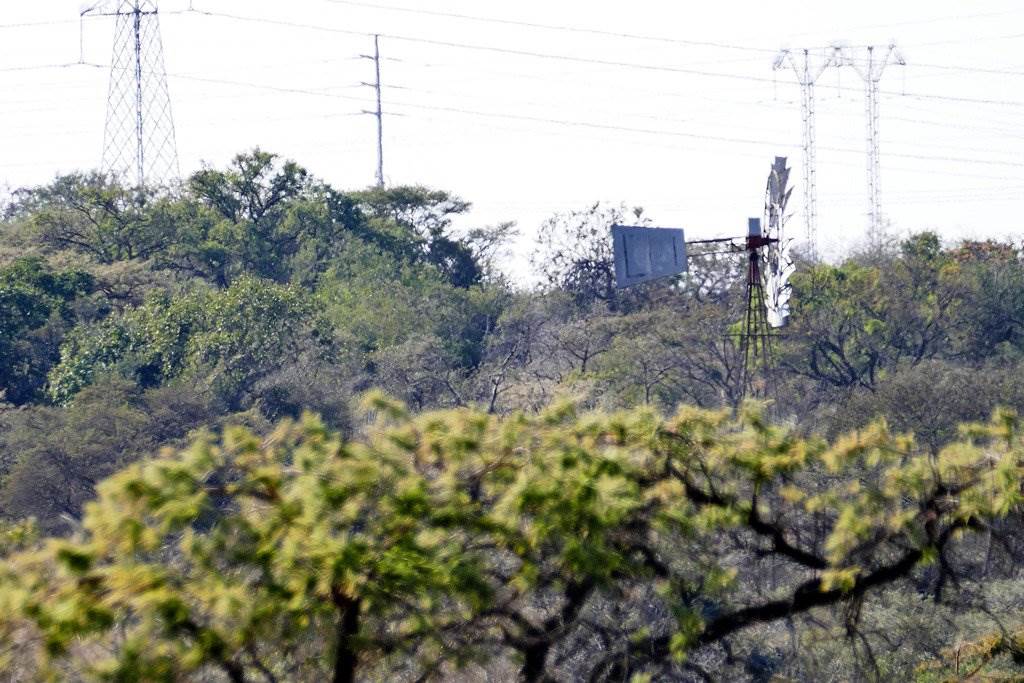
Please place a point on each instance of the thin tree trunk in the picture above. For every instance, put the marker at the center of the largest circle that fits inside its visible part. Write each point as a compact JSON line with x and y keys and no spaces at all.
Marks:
{"x":346,"y":658}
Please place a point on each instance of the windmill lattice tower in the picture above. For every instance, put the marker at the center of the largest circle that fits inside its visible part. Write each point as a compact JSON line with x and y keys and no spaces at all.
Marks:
{"x":139,"y":141}
{"x":769,"y":267}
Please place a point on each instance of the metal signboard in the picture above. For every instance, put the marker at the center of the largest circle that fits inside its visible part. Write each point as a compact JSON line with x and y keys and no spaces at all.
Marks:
{"x":644,"y":254}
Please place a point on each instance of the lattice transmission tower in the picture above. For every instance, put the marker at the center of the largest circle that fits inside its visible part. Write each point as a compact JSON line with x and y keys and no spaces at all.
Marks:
{"x":870,"y":67}
{"x":138,"y":141}
{"x":808,"y":68}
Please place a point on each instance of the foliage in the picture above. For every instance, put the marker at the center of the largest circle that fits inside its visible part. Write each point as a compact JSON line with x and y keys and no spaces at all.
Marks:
{"x":143,"y":315}
{"x":94,"y":215}
{"x":445,"y":537}
{"x":52,"y":458}
{"x":35,"y":308}
{"x":415,"y":222}
{"x":223,"y":340}
{"x":260,"y":217}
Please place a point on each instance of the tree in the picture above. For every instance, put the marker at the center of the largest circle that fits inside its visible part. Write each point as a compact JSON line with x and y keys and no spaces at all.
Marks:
{"x":94,"y":215}
{"x":35,"y":310}
{"x":262,"y":217}
{"x":611,"y":545}
{"x":992,"y":314}
{"x":377,"y":300}
{"x":415,"y":221}
{"x":853,"y":323}
{"x":931,"y":399}
{"x":224,"y":341}
{"x":838,"y":325}
{"x":575,"y":251}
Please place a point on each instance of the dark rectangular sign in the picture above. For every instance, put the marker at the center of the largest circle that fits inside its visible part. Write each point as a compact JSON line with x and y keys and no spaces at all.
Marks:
{"x":645,"y":254}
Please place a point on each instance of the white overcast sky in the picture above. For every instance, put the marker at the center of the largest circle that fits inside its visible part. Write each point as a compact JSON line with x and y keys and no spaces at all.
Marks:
{"x":525,"y":136}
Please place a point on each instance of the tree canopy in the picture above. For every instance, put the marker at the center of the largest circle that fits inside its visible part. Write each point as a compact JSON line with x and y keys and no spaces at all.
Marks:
{"x":440,"y":539}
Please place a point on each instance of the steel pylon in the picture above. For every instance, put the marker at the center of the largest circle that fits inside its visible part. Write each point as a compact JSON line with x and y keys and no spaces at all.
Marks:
{"x":139,"y":142}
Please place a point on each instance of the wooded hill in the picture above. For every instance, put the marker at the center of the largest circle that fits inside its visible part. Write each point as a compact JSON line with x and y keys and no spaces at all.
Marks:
{"x":551,"y":483}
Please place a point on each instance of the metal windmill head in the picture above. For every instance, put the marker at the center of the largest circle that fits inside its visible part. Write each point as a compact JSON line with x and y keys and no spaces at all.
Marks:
{"x":778,"y":259}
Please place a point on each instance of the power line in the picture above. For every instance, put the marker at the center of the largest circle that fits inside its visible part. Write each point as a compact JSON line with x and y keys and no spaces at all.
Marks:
{"x":60,"y":22}
{"x":921,"y":22}
{"x":246,"y":84}
{"x":572,"y":58}
{"x":977,"y":39}
{"x":584,"y":60}
{"x":662,"y":145}
{"x":971,"y":69}
{"x":771,"y":102}
{"x":32,"y":24}
{"x":490,"y":48}
{"x":553,"y":27}
{"x":39,"y":67}
{"x":566,"y":122}
{"x":370,"y":102}
{"x":714,"y":138}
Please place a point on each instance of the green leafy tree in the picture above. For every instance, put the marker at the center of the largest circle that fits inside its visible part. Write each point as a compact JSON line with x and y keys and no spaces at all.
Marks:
{"x":35,"y":309}
{"x":262,"y":217}
{"x":836,"y":315}
{"x":225,"y":341}
{"x":94,"y":215}
{"x":854,"y":323}
{"x":992,"y":316}
{"x":415,"y":222}
{"x":377,"y":300}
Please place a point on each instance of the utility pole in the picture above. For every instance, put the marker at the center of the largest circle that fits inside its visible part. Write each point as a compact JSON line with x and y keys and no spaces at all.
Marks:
{"x":808,"y":70}
{"x":870,"y":67}
{"x":139,"y":137}
{"x":379,"y":113}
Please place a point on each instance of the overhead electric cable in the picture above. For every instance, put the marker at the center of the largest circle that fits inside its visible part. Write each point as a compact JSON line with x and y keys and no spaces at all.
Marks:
{"x":491,"y":48}
{"x":584,"y":60}
{"x":970,"y":69}
{"x":568,"y":122}
{"x":553,"y":27}
{"x":258,"y":86}
{"x":31,"y":24}
{"x":59,"y":22}
{"x":977,"y":39}
{"x":698,"y":136}
{"x":39,"y":67}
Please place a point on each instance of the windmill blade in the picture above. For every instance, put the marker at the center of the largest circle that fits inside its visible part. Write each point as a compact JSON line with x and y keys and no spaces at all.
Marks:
{"x":778,"y":258}
{"x":777,"y":289}
{"x":785,"y":199}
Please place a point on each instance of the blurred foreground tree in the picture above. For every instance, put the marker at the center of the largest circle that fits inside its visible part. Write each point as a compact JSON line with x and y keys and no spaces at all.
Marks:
{"x":610,"y":546}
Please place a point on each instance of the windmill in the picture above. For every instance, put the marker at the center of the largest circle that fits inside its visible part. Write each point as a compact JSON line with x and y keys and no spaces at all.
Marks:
{"x":769,"y":267}
{"x":644,"y":254}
